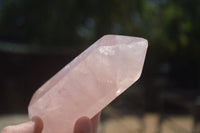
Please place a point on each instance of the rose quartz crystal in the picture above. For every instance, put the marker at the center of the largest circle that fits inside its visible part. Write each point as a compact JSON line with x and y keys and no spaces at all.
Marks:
{"x":89,"y":83}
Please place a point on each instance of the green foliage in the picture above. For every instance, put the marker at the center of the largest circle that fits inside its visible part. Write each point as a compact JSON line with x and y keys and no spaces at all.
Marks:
{"x":171,"y":26}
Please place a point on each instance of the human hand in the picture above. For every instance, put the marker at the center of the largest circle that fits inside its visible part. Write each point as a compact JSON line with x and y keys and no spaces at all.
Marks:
{"x":82,"y":125}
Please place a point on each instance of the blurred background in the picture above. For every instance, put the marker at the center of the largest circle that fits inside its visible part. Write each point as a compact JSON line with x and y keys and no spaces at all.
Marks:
{"x":37,"y":38}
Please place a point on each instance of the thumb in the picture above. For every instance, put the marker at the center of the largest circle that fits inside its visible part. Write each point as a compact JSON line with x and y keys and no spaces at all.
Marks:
{"x":83,"y":125}
{"x":38,"y":124}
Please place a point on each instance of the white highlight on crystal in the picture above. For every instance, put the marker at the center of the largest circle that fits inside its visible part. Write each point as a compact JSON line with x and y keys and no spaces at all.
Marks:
{"x":107,"y":50}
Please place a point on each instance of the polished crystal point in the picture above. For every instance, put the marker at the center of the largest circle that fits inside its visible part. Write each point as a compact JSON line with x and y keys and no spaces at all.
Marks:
{"x":89,"y":83}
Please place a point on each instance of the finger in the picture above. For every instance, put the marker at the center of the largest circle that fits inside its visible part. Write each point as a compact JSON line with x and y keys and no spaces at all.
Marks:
{"x":27,"y":127}
{"x":95,"y":122}
{"x":83,"y":125}
{"x":38,"y":124}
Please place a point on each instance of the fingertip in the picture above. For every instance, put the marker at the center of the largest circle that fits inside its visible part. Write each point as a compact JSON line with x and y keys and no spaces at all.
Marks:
{"x":83,"y":125}
{"x":38,"y":124}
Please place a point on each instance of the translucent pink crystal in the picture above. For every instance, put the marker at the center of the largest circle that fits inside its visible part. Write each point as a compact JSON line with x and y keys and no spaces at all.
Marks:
{"x":89,"y":83}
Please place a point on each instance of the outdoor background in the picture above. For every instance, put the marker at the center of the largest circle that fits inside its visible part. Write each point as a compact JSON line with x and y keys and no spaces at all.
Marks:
{"x":39,"y":37}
